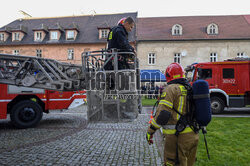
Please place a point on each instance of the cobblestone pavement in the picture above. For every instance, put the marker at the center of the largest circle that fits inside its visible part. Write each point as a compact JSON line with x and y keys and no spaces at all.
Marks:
{"x":65,"y":138}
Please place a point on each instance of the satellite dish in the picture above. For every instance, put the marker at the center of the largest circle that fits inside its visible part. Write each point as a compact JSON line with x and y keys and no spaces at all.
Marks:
{"x":183,"y":53}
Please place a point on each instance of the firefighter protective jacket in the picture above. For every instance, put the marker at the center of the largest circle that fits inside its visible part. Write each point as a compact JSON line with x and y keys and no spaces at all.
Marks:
{"x":118,"y":38}
{"x":174,"y":96}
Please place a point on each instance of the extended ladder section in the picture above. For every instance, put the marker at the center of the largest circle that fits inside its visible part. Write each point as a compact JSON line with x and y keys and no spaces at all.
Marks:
{"x":111,"y":79}
{"x":40,"y":73}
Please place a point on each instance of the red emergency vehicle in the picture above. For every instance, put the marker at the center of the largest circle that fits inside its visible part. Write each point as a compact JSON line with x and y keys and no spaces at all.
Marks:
{"x":229,"y":82}
{"x":26,"y":105}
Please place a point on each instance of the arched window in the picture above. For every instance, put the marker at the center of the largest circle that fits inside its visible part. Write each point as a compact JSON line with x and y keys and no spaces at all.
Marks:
{"x":212,"y":29}
{"x":177,"y":29}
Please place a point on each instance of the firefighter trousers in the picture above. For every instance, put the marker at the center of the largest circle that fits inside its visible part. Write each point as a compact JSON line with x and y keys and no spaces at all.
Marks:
{"x":187,"y":147}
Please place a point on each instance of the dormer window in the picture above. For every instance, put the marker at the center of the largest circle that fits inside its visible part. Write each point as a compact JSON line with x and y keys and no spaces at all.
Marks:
{"x":18,"y":33}
{"x":177,"y":30}
{"x":103,"y":33}
{"x":71,"y":31}
{"x":4,"y":36}
{"x":212,"y":29}
{"x":70,"y":35}
{"x":38,"y":36}
{"x":40,"y":32}
{"x":16,"y":36}
{"x":53,"y":35}
{"x":1,"y":37}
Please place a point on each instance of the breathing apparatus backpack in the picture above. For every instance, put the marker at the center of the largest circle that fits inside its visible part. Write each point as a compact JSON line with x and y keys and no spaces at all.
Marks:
{"x":198,"y":107}
{"x":202,"y":103}
{"x":198,"y":113}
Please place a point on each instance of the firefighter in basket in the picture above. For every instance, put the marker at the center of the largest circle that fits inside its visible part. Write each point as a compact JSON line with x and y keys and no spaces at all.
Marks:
{"x":118,"y":39}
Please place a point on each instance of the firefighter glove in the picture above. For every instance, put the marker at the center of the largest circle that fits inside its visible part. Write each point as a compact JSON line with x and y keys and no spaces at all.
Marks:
{"x":149,"y":138}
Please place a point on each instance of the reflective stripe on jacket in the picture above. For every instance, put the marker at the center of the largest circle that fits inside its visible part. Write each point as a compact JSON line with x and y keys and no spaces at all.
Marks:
{"x":174,"y":96}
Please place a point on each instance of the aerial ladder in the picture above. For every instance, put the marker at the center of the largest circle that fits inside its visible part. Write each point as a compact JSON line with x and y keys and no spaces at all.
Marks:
{"x":112,"y":95}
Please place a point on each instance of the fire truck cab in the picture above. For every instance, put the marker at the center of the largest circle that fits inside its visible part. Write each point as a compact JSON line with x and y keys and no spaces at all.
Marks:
{"x":26,"y":105}
{"x":229,"y":82}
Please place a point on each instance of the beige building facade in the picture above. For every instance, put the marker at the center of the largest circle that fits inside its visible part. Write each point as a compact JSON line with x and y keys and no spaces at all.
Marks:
{"x":188,"y":52}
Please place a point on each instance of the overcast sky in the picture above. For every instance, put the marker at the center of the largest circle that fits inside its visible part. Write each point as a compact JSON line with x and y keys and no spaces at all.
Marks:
{"x":145,"y":8}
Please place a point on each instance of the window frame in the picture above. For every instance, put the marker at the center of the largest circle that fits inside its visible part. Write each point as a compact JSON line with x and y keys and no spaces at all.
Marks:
{"x":177,"y":58}
{"x":177,"y":30}
{"x":16,"y":36}
{"x":212,"y":29}
{"x":38,"y":37}
{"x":151,"y":58}
{"x":52,"y":35}
{"x":16,"y":52}
{"x":104,"y":33}
{"x":2,"y":37}
{"x":212,"y":56}
{"x":70,"y":54}
{"x":241,"y":55}
{"x":103,"y":56}
{"x":39,"y":53}
{"x":68,"y":37}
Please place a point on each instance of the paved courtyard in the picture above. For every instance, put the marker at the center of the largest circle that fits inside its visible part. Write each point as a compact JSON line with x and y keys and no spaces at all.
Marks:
{"x":66,"y":138}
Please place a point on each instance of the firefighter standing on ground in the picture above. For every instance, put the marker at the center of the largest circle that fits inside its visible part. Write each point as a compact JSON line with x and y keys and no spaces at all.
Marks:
{"x":178,"y":149}
{"x":118,"y":39}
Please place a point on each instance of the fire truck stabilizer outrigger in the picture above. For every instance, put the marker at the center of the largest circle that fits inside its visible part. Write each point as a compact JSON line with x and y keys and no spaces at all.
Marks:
{"x":49,"y":74}
{"x":229,"y":82}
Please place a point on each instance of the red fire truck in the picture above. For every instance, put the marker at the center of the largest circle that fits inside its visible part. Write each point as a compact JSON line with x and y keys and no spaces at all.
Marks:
{"x":229,"y":82}
{"x":26,"y":105}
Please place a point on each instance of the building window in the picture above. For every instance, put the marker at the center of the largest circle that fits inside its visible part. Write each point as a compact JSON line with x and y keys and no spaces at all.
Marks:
{"x":16,"y":52}
{"x":213,"y":57}
{"x":104,"y":33}
{"x":241,"y":55}
{"x":38,"y":36}
{"x":16,"y":36}
{"x":212,"y":29}
{"x":177,"y":30}
{"x":177,"y":58}
{"x":151,"y":58}
{"x":1,"y":36}
{"x":103,"y":57}
{"x":53,"y":35}
{"x":70,"y":35}
{"x":39,"y":53}
{"x":70,"y":54}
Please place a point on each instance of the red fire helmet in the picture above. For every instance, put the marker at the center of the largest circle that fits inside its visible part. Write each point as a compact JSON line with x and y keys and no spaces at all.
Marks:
{"x":121,"y":21}
{"x":174,"y":71}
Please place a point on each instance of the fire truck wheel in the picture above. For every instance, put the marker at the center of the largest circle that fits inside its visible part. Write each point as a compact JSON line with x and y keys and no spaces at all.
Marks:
{"x":26,"y":114}
{"x":217,"y":105}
